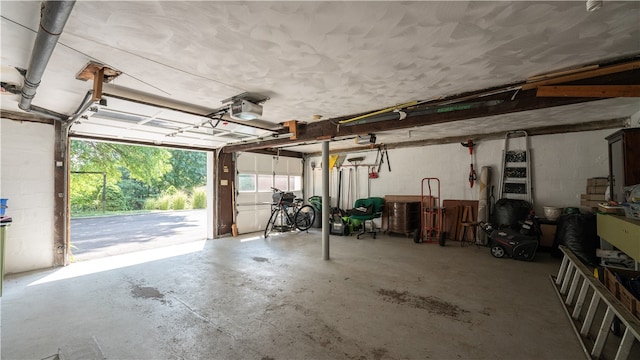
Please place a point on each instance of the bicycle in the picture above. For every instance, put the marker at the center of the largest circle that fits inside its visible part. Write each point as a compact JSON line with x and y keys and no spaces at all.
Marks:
{"x":288,"y":213}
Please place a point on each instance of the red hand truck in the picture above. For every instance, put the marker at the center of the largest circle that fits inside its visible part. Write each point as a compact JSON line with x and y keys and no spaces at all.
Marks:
{"x":431,"y":214}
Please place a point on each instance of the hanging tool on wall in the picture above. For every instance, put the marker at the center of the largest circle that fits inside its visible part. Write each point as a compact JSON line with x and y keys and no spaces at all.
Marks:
{"x":313,"y":177}
{"x":338,"y":203}
{"x":356,"y":162}
{"x":349,"y":186}
{"x":382,"y":153}
{"x":373,"y":174}
{"x":472,"y":173}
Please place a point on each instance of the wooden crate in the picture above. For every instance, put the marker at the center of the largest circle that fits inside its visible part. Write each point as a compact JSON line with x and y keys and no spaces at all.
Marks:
{"x":592,"y":197}
{"x":620,"y":292}
{"x":598,"y":181}
{"x":596,"y":189}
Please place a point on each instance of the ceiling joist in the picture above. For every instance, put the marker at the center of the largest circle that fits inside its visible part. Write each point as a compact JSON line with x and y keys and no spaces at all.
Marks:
{"x":545,"y":130}
{"x":606,"y":91}
{"x":483,"y":106}
{"x":586,"y":74}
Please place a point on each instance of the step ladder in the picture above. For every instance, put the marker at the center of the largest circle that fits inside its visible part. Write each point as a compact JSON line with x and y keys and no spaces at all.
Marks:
{"x":603,"y":307}
{"x":515,"y":182}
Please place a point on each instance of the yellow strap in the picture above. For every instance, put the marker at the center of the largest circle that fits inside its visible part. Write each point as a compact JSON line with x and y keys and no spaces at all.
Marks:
{"x":389,"y":109}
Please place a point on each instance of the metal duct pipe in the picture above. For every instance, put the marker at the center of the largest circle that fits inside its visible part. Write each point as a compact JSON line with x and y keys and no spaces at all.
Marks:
{"x":52,"y":20}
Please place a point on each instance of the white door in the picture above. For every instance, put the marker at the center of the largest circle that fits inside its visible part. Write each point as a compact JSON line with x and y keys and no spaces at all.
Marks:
{"x":256,"y":174}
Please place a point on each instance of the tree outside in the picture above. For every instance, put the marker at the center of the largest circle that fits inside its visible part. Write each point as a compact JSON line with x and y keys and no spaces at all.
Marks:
{"x":138,"y":178}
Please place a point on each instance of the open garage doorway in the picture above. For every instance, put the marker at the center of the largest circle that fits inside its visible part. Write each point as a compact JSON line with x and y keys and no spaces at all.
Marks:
{"x":126,"y":198}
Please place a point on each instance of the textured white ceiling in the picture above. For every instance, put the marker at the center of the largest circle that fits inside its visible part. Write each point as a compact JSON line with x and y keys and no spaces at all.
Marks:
{"x":312,"y":57}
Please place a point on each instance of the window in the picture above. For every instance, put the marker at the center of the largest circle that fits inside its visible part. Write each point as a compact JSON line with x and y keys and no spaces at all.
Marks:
{"x":295,"y":183}
{"x":282,"y":182}
{"x":246,"y":183}
{"x":265,"y":182}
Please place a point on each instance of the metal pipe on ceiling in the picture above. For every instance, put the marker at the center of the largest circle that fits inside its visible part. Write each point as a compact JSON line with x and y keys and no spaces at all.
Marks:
{"x":54,"y":16}
{"x":48,"y":113}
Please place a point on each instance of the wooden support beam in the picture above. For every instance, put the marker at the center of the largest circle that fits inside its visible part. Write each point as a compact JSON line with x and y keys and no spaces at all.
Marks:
{"x":98,"y":79}
{"x":279,"y":152}
{"x":555,"y":74}
{"x":616,"y":123}
{"x":292,"y":125}
{"x":351,"y":150}
{"x":590,"y":73}
{"x":324,"y":130}
{"x":598,"y":91}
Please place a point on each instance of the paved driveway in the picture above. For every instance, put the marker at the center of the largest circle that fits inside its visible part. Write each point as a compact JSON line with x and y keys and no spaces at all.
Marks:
{"x":97,"y":237}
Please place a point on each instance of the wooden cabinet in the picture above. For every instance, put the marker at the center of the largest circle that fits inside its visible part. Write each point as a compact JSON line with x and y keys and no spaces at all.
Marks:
{"x":624,"y":161}
{"x":403,"y":217}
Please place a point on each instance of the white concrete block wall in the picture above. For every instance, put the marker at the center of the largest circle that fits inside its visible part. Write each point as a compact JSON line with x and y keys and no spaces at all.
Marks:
{"x":561,"y":164}
{"x":564,"y":162}
{"x":27,"y":180}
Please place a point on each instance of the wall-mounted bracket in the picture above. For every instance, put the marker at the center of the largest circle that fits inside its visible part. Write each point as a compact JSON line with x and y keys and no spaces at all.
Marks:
{"x":292,"y":125}
{"x":100,"y":74}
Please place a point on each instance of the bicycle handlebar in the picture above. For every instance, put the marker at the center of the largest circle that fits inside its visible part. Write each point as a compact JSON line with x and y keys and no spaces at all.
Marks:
{"x":298,"y":200}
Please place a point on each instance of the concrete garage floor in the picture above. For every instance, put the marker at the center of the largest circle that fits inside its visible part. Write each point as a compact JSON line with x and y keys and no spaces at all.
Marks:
{"x":251,"y":298}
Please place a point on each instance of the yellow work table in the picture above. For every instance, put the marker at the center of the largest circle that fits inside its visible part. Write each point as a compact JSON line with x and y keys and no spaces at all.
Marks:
{"x":621,"y":232}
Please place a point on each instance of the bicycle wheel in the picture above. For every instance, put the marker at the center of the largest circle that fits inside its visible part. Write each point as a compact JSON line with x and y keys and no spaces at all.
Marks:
{"x":271,"y":222}
{"x":304,"y":217}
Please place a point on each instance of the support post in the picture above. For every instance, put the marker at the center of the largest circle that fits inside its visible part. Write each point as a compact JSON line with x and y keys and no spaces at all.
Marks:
{"x":326,"y":206}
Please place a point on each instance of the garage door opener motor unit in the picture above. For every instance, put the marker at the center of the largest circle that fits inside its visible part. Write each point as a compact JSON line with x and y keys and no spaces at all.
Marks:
{"x":245,"y":110}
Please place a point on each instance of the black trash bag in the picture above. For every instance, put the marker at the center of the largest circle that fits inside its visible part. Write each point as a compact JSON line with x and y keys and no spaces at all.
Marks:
{"x":578,"y":232}
{"x":510,"y":212}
